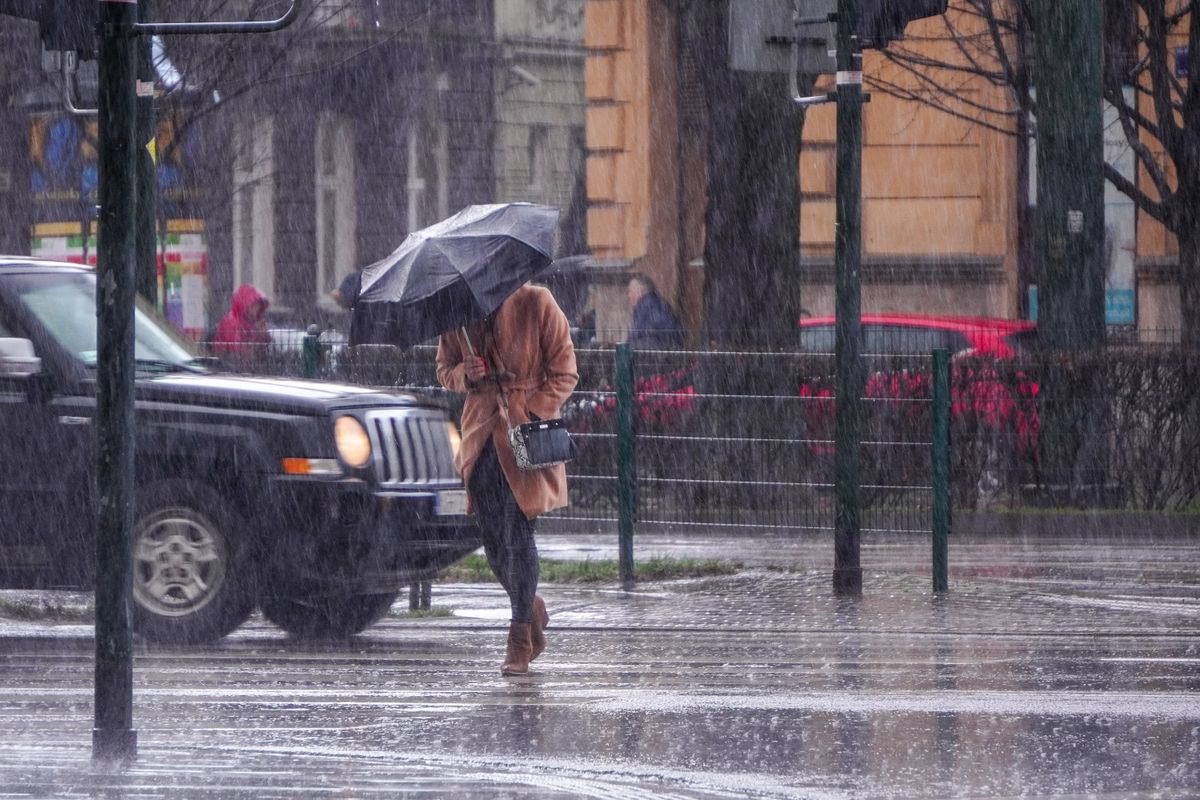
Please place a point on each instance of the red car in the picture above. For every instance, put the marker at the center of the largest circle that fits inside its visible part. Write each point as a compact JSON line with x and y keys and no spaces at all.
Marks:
{"x":905,"y":334}
{"x":999,"y":404}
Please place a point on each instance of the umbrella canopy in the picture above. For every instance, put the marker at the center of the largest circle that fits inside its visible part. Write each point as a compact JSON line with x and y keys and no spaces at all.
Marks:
{"x":453,"y":273}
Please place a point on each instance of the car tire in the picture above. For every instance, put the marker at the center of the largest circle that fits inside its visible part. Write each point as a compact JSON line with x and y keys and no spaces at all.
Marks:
{"x":327,"y":617}
{"x":191,"y":582}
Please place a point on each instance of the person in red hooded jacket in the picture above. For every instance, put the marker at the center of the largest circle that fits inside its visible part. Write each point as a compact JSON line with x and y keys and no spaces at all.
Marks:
{"x":242,"y":333}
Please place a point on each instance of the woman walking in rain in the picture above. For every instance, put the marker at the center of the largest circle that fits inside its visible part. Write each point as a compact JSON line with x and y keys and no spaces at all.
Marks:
{"x":524,"y":351}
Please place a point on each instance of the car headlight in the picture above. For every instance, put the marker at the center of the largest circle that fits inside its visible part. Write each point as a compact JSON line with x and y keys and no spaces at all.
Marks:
{"x":353,"y":444}
{"x":455,"y":438}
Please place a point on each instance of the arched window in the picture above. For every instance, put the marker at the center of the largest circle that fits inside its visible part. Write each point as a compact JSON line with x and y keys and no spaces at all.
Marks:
{"x":254,"y":205}
{"x":336,"y":215}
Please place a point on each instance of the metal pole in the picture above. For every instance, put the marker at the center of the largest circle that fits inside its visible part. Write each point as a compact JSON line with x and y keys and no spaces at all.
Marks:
{"x":847,"y":569}
{"x":941,"y":470}
{"x":311,"y":351}
{"x":626,"y":463}
{"x":241,"y":26}
{"x":147,"y":183}
{"x":113,"y":735}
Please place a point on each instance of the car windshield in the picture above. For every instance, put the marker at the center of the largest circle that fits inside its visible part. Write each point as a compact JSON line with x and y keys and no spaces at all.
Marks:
{"x":66,"y":305}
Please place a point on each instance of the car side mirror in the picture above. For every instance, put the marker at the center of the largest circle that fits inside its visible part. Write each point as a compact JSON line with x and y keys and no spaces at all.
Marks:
{"x":17,"y":359}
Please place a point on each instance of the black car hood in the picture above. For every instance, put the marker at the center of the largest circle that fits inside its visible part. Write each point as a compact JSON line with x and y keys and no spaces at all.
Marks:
{"x":284,"y":395}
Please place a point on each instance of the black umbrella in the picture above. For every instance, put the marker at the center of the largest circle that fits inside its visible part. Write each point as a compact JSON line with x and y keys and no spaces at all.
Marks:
{"x":453,"y":273}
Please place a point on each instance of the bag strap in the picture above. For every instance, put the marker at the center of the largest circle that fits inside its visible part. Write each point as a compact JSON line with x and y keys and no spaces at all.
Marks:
{"x":495,"y":376}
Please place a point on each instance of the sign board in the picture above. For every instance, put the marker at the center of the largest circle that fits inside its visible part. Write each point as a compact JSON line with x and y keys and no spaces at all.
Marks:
{"x":761,"y":32}
{"x":1120,"y":306}
{"x":1120,"y":220}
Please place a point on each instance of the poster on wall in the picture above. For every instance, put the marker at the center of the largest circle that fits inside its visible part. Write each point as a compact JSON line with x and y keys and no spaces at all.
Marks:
{"x":64,"y":179}
{"x":183,"y":277}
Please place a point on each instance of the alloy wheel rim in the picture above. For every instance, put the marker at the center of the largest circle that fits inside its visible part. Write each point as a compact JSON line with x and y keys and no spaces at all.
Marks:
{"x":179,"y":564}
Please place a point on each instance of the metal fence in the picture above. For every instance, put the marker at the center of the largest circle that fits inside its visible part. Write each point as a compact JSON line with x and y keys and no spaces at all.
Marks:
{"x":722,"y":440}
{"x":743,"y":440}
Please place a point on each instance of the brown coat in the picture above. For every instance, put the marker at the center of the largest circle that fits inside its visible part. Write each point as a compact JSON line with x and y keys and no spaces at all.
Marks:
{"x":531,"y":348}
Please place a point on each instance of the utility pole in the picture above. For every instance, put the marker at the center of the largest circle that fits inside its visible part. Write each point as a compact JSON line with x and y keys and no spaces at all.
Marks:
{"x":847,"y":568}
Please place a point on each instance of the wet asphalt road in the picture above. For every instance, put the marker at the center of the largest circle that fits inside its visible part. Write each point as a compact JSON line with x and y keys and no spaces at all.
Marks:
{"x":1060,"y":668}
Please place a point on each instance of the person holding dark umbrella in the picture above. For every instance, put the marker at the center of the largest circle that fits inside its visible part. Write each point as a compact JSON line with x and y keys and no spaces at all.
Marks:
{"x":504,"y":343}
{"x":524,"y":352}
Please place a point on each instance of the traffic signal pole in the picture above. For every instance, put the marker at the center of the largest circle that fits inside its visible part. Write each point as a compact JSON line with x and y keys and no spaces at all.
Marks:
{"x":113,"y":735}
{"x":859,"y":24}
{"x":847,"y":568}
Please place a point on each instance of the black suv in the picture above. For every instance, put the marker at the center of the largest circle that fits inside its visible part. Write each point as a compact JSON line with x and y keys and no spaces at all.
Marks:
{"x":315,"y":501}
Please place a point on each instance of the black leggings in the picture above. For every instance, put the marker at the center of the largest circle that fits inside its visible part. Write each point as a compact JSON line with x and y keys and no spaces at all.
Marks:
{"x":507,"y":535}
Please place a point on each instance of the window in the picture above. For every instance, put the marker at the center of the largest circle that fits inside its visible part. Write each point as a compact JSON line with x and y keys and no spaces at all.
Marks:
{"x":66,"y":306}
{"x":336,"y":214}
{"x":429,"y":165}
{"x":817,"y":339}
{"x":903,"y":339}
{"x":254,"y":206}
{"x":538,"y":153}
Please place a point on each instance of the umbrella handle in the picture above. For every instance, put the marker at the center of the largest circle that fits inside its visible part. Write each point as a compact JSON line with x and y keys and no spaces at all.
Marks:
{"x":494,"y":375}
{"x":467,"y":339}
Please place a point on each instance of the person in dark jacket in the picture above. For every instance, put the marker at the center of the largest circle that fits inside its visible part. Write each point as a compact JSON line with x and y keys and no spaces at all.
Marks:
{"x":654,"y":324}
{"x":346,"y":295}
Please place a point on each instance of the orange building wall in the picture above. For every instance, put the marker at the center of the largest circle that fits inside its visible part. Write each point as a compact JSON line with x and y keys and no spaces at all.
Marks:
{"x":632,"y":152}
{"x":936,"y":189}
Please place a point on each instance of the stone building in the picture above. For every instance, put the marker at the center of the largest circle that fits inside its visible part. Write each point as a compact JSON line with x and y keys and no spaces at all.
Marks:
{"x":288,"y":160}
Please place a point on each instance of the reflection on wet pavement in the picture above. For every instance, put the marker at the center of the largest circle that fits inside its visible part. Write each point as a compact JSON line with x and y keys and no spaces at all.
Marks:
{"x":1051,"y":669}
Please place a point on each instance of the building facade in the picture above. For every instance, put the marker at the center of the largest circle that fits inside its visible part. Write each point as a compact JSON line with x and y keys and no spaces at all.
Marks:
{"x":539,"y":110}
{"x":943,"y":197}
{"x":285,"y":161}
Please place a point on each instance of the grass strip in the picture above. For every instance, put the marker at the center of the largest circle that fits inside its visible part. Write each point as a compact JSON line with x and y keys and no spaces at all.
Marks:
{"x":46,"y":607}
{"x":474,"y":569}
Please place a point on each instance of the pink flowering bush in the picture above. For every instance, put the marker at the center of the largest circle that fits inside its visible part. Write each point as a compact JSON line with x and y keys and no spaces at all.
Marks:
{"x":993,"y":408}
{"x":662,"y":402}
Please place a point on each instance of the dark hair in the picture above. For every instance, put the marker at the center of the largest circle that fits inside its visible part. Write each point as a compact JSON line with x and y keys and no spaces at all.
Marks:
{"x":644,"y":281}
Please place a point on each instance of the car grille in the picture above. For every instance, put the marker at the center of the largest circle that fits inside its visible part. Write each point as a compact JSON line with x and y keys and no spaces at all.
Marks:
{"x":410,"y":447}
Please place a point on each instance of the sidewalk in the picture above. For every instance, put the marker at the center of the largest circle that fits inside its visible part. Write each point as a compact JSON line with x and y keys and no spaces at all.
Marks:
{"x":1053,"y":668}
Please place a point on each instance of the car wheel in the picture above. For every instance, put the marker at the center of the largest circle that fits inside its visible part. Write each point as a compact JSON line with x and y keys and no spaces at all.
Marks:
{"x":190,"y":582}
{"x":327,"y":617}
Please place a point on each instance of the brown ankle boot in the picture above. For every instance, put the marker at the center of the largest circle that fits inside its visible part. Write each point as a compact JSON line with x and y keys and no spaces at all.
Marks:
{"x":541,"y":620}
{"x":517,"y":653}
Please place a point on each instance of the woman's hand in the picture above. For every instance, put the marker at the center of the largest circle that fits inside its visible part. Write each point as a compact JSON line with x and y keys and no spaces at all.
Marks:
{"x":475,"y":367}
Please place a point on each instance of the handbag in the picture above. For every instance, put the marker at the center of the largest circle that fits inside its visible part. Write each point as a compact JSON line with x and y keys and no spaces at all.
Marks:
{"x":539,"y":443}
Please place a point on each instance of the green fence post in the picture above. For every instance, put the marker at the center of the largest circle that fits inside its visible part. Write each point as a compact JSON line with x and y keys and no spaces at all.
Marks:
{"x":312,"y":351}
{"x":941,"y":469}
{"x":626,"y":463}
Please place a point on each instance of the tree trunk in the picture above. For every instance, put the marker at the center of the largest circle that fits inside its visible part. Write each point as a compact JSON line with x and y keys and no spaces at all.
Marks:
{"x":752,"y":223}
{"x":1189,"y":284}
